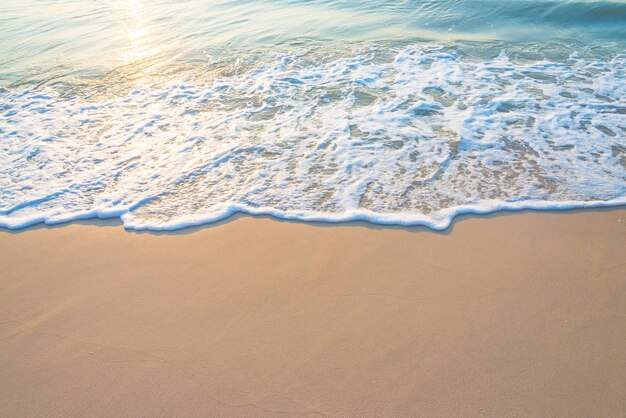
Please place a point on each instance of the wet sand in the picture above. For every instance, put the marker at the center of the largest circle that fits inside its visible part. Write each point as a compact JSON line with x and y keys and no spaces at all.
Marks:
{"x":505,"y":315}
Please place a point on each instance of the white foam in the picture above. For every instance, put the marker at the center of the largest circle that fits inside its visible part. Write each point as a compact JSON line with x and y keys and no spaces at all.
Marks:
{"x":413,"y":137}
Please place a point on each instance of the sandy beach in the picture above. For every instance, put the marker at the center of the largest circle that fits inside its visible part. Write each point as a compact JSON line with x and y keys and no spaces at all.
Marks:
{"x":504,"y":315}
{"x":204,"y":208}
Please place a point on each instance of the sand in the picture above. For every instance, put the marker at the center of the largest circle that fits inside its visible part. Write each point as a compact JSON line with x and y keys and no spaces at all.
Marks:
{"x":505,"y":315}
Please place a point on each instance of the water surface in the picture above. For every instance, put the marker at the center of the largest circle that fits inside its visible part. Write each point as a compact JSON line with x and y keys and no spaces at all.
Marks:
{"x":170,"y":113}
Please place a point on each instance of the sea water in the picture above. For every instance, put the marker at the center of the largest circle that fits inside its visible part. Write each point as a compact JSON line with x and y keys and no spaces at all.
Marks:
{"x":172,"y":113}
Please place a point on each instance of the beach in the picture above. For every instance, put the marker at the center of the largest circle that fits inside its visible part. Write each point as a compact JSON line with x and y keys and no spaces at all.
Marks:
{"x":393,"y":208}
{"x":510,"y":314}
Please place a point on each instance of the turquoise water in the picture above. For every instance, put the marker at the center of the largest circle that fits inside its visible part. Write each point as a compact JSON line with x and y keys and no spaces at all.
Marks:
{"x":170,"y":113}
{"x":45,"y":40}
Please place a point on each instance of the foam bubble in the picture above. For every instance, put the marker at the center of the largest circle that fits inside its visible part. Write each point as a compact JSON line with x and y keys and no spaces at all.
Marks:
{"x":407,"y":135}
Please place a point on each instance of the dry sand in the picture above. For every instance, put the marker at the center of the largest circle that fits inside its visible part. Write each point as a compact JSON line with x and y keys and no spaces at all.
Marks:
{"x":508,"y":315}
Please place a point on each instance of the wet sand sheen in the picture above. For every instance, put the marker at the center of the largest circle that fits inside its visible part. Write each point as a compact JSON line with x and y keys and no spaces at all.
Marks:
{"x":520,"y":315}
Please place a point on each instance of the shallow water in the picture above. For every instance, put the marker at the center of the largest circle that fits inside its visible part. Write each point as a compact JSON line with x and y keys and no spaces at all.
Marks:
{"x":169,"y":113}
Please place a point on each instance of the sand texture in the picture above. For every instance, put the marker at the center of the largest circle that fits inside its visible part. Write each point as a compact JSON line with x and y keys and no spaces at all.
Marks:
{"x":507,"y":315}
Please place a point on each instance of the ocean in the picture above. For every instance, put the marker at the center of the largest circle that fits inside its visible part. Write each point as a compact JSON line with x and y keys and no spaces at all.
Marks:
{"x":168,"y":114}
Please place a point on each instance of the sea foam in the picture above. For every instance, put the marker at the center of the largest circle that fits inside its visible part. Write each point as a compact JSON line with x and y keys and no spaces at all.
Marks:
{"x":410,"y":135}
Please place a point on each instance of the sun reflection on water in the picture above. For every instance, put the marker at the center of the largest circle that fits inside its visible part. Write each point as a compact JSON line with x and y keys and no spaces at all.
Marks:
{"x":140,"y":42}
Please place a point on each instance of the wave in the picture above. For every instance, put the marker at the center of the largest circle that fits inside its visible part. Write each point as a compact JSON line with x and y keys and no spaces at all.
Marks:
{"x":410,"y":135}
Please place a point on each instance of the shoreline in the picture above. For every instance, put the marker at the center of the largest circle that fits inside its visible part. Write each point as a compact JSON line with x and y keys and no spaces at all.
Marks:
{"x":510,"y":313}
{"x":116,"y":221}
